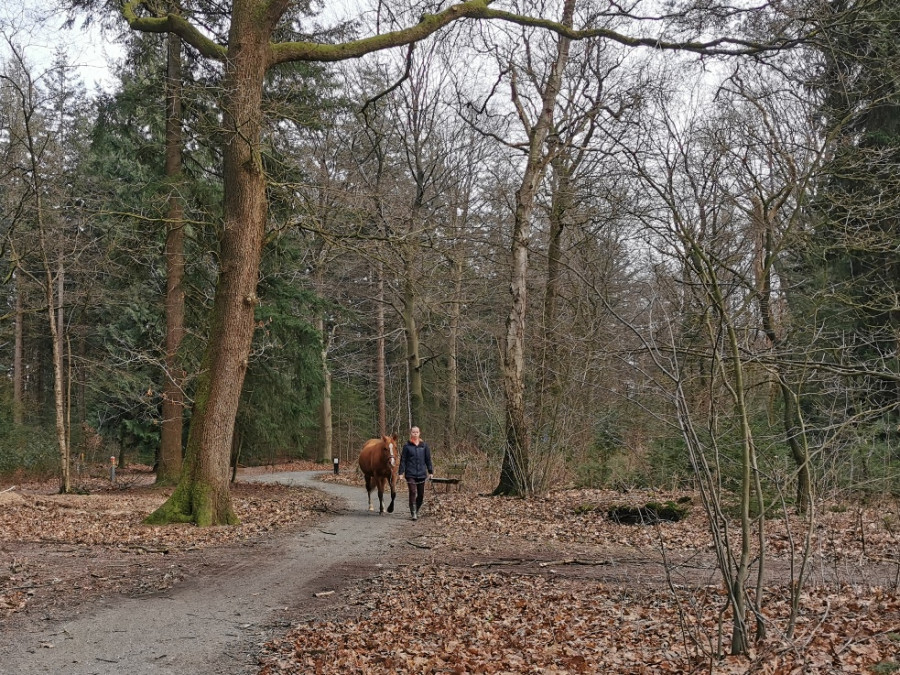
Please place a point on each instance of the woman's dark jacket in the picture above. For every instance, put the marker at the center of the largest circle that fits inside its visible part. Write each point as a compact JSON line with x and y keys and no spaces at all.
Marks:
{"x":415,"y":461}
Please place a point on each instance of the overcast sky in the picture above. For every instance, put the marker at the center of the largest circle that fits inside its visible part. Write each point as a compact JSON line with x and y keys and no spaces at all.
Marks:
{"x":29,"y":24}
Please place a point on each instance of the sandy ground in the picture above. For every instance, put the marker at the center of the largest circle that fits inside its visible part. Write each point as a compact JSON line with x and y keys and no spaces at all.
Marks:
{"x":216,"y":623}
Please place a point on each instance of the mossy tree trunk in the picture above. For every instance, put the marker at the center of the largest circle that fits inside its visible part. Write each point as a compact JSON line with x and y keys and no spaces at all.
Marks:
{"x":202,"y":494}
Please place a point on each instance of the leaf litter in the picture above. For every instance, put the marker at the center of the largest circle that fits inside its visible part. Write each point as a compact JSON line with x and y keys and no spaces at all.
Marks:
{"x":489,"y":585}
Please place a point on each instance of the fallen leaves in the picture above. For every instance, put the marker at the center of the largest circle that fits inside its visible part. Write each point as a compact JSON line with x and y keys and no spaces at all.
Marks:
{"x":500,"y":585}
{"x":12,"y":601}
{"x":623,"y":610}
{"x":431,"y":619}
{"x":437,"y":619}
{"x":81,"y":544}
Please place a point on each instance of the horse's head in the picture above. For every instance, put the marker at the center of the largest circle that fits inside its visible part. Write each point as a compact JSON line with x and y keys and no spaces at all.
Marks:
{"x":391,"y":453}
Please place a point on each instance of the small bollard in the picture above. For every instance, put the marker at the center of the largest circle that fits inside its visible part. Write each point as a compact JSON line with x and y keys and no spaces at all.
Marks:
{"x":112,"y":469}
{"x":337,"y":462}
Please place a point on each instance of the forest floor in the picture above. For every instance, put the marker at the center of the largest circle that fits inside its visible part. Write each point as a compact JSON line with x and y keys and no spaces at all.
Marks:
{"x":478,"y":585}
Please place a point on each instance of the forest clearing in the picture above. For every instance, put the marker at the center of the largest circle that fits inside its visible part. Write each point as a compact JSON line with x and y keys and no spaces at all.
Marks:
{"x":481,"y":584}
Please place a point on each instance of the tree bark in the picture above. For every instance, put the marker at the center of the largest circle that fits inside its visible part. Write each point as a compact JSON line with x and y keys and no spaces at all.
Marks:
{"x":326,"y":428}
{"x":327,"y":451}
{"x":380,"y":380}
{"x":54,"y":304}
{"x":65,"y":484}
{"x":202,"y":494}
{"x":453,"y":357}
{"x":413,"y":360}
{"x":54,"y":313}
{"x":61,"y":370}
{"x":18,"y":355}
{"x":170,"y":450}
{"x":515,"y":473}
{"x":561,"y":204}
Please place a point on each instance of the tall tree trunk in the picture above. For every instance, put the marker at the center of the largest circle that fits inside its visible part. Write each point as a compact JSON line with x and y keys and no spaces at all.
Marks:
{"x":81,"y":384}
{"x":54,"y":316}
{"x":380,"y":381}
{"x":202,"y":494}
{"x":459,"y":204}
{"x":515,"y":473}
{"x":61,"y":347}
{"x":65,"y":485}
{"x":381,"y":226}
{"x":561,"y":204}
{"x":326,"y":423}
{"x":793,"y":428}
{"x":453,"y":357}
{"x":413,"y":360}
{"x":170,"y":449}
{"x":18,"y":356}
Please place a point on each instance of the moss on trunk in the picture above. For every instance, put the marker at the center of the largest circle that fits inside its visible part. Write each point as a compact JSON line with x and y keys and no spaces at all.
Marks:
{"x":194,"y":502}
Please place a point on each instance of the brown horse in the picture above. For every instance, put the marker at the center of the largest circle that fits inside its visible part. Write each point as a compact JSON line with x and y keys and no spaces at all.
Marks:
{"x":378,"y":461}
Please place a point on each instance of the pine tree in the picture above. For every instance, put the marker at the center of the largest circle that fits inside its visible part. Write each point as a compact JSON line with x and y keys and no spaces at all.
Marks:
{"x":855,"y":294}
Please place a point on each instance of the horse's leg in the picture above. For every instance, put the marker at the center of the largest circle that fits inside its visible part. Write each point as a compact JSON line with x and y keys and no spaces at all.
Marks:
{"x":393,"y":494}
{"x":369,"y":490}
{"x":380,"y":482}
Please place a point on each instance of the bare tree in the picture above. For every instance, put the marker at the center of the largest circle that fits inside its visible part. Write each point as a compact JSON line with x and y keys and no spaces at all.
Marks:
{"x":728,"y":197}
{"x":516,"y":475}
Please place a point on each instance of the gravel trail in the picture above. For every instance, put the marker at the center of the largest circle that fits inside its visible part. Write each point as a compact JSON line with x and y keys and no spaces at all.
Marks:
{"x":214,"y":624}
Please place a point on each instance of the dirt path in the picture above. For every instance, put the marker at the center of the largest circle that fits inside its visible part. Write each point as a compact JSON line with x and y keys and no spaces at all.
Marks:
{"x":215,"y":624}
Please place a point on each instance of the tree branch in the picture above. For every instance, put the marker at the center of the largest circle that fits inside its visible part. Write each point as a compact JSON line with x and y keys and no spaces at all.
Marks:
{"x":718,"y":46}
{"x":173,"y":23}
{"x":428,"y":24}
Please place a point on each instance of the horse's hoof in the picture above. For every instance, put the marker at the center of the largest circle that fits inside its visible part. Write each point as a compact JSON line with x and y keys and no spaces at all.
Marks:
{"x":391,"y":508}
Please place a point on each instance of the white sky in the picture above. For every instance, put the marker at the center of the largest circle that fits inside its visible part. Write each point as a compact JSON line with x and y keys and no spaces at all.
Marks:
{"x":39,"y":32}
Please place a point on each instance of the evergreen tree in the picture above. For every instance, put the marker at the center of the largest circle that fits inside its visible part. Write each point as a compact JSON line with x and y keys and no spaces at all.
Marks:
{"x":856,"y":211}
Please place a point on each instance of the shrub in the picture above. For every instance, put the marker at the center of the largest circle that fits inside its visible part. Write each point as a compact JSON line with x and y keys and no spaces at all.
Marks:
{"x":650,"y":513}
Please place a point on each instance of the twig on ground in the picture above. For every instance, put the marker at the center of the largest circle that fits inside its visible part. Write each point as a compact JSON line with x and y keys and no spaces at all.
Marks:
{"x":575,"y":561}
{"x":148,"y":550}
{"x":522,"y":561}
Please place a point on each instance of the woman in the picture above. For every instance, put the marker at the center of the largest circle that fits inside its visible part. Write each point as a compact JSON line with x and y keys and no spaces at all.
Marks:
{"x":415,"y":467}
